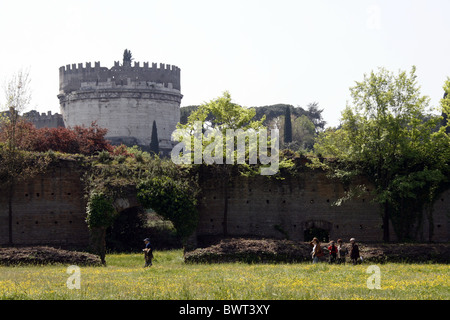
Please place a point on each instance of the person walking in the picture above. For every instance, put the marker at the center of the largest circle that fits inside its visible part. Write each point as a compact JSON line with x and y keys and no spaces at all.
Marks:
{"x":354,"y":251}
{"x":316,"y":251}
{"x":341,"y":252}
{"x":148,"y":253}
{"x":332,"y":249}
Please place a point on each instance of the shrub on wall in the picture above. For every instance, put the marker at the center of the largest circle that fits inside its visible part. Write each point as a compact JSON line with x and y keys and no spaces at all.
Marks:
{"x":100,"y":211}
{"x":83,"y":140}
{"x":100,"y":214}
{"x":173,"y":200}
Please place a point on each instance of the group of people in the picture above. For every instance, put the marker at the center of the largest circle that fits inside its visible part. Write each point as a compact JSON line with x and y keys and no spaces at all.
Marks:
{"x":337,"y":254}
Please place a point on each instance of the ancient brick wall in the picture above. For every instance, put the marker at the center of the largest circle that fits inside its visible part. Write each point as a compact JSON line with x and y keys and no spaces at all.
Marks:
{"x":48,"y":209}
{"x":51,"y":209}
{"x":441,"y":219}
{"x":268,"y":207}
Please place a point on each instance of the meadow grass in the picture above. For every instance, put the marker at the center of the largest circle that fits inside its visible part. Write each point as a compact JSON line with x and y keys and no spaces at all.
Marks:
{"x":171,"y":279}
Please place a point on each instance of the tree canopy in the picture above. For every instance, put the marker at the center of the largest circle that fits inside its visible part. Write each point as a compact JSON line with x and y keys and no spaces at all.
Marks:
{"x":388,"y":135}
{"x":305,"y":123}
{"x":127,"y":57}
{"x":154,"y":143}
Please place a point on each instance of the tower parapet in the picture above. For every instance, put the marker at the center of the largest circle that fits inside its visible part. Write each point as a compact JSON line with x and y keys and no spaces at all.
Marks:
{"x":72,"y":76}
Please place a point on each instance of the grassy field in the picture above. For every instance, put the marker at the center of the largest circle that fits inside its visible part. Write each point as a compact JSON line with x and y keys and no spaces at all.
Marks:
{"x":170,"y":278}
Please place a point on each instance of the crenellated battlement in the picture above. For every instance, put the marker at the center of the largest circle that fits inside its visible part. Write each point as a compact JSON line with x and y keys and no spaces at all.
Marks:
{"x":44,"y":120}
{"x":87,"y":67}
{"x":72,"y":76}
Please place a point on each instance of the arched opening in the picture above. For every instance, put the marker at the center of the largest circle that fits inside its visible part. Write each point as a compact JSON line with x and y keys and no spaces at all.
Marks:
{"x":172,"y":199}
{"x":316,"y":228}
{"x":319,"y":233}
{"x":125,"y":234}
{"x":134,"y":224}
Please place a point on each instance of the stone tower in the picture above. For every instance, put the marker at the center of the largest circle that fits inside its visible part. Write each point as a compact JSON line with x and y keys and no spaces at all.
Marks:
{"x":124,"y":99}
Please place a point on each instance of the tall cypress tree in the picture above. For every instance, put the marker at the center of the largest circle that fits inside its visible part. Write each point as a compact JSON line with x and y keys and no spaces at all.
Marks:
{"x":154,"y":143}
{"x":127,"y":57}
{"x":445,"y":119}
{"x":287,"y":126}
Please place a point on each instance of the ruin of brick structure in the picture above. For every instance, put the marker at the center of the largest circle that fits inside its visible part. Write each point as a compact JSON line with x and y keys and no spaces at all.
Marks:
{"x":299,"y":207}
{"x":125,"y":99}
{"x":44,"y":120}
{"x":50,"y":209}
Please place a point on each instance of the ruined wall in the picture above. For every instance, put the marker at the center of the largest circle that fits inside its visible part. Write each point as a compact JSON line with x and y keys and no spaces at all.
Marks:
{"x":266,"y":207}
{"x":441,"y":219}
{"x":48,"y":209}
{"x":44,"y":120}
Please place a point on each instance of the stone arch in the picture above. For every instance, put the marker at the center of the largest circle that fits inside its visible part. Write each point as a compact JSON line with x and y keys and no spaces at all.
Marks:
{"x":316,"y":228}
{"x":121,"y":204}
{"x":130,"y":227}
{"x":171,"y":200}
{"x":126,"y":232}
{"x":123,"y":234}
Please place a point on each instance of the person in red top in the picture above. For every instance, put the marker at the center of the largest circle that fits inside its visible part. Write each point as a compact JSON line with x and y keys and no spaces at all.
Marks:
{"x":332,"y":249}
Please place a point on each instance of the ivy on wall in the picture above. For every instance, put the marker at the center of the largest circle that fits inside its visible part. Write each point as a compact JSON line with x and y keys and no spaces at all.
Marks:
{"x":172,"y":199}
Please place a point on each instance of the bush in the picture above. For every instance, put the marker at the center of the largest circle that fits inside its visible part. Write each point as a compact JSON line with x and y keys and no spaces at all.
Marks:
{"x":100,"y":211}
{"x":173,"y":200}
{"x":104,"y":156}
{"x":87,"y":141}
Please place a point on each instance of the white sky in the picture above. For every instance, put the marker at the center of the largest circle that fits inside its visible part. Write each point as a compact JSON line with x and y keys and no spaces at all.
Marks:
{"x":263,"y":52}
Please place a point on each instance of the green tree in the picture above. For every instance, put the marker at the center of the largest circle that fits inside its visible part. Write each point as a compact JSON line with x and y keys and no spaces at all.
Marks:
{"x":287,"y":126}
{"x":100,"y":215}
{"x":161,"y":184}
{"x":215,"y":119}
{"x":127,"y":57}
{"x":173,"y":199}
{"x":315,"y":115}
{"x":221,"y":114}
{"x":304,"y":132}
{"x":154,"y":143}
{"x":445,"y":106}
{"x":388,"y":136}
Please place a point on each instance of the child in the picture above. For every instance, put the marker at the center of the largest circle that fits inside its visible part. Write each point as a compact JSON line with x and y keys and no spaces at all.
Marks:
{"x":332,"y":249}
{"x":354,"y":252}
{"x":342,"y":252}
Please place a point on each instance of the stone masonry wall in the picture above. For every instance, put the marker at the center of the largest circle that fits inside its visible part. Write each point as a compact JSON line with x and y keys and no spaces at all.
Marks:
{"x":267,"y":207}
{"x":48,"y":209}
{"x":44,"y":120}
{"x":125,"y":117}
